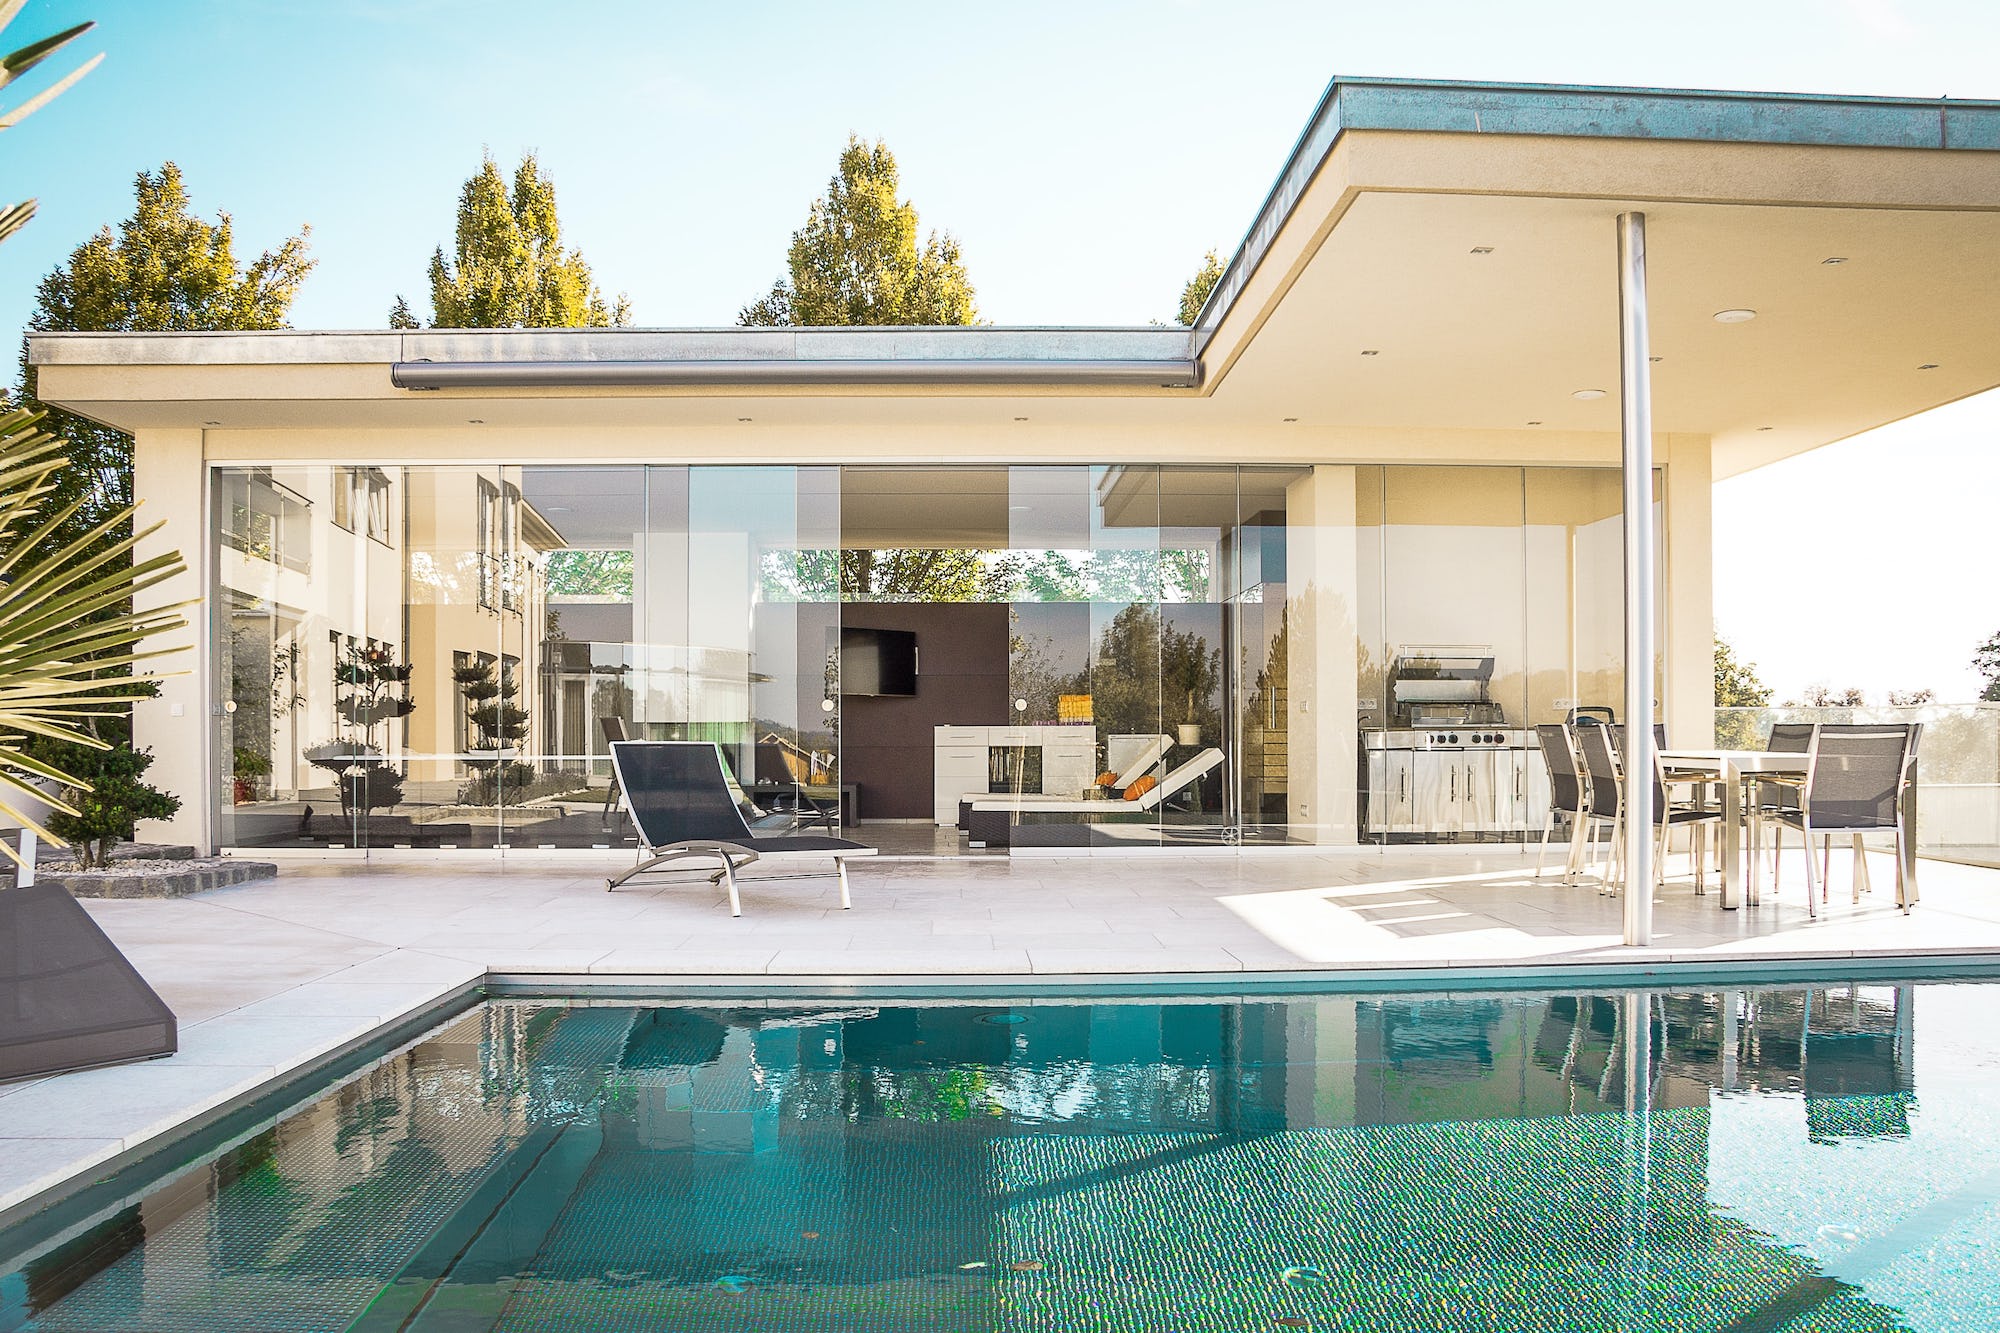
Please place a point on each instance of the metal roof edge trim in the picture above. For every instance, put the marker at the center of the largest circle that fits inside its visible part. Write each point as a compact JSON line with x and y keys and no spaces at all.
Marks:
{"x":429,"y":375}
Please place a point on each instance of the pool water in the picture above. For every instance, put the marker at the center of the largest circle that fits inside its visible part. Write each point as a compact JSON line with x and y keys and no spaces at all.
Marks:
{"x":1797,"y":1159}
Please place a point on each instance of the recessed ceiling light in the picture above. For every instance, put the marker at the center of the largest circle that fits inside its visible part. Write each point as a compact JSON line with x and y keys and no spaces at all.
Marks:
{"x":1482,"y":249}
{"x":1371,"y":352}
{"x":1834,"y":259}
{"x":1588,"y":395}
{"x":1734,"y":316}
{"x":1928,"y":365}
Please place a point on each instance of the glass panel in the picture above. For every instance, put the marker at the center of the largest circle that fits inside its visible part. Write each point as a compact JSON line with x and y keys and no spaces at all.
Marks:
{"x":469,"y":725}
{"x":1576,"y":590}
{"x":578,"y":533}
{"x":1260,"y":696}
{"x":314,"y":682}
{"x":1201,"y":590}
{"x":763,"y":637}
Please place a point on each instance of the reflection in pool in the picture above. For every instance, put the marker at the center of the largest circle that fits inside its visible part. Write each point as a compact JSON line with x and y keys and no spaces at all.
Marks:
{"x":1640,"y":1160}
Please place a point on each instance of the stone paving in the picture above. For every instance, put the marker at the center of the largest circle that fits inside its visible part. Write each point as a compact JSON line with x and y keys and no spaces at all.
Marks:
{"x":267,"y":976}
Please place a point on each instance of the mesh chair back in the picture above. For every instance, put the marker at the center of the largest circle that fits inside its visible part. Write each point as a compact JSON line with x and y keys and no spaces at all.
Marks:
{"x":677,"y":790}
{"x":1856,"y":776}
{"x":1565,"y":785}
{"x":1790,"y":738}
{"x":1787,"y":738}
{"x":1601,"y":767}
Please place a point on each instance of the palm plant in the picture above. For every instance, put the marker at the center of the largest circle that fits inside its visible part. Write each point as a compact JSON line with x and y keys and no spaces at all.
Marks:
{"x":12,"y":66}
{"x":67,"y":628}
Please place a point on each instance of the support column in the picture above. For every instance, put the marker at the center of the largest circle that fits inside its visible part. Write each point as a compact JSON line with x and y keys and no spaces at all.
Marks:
{"x":168,"y":475}
{"x":1321,"y":742}
{"x":1635,"y":391}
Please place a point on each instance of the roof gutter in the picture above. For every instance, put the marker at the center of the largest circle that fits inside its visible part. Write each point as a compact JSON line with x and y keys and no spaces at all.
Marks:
{"x":1176,"y":374}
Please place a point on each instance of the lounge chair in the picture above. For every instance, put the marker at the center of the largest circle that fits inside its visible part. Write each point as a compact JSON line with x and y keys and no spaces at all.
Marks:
{"x":1145,"y":754}
{"x":991,"y":821}
{"x":687,"y":807}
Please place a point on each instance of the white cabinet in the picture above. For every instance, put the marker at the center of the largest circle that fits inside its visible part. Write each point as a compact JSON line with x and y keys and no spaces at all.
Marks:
{"x":962,"y":763}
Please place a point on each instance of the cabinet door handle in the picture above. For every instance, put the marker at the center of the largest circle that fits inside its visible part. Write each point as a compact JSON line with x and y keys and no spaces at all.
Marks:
{"x":1520,"y":776}
{"x":1402,"y":784}
{"x":1454,"y":784}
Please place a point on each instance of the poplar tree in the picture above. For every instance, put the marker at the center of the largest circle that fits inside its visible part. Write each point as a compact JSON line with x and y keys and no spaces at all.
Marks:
{"x":509,"y":269}
{"x":857,"y":261}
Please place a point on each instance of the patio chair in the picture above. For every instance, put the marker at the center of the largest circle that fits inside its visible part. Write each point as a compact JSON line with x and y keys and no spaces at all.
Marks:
{"x":1855,"y":775}
{"x":1603,"y":802}
{"x":1775,"y":792}
{"x":686,"y":807}
{"x":614,"y":731}
{"x":1597,"y":744}
{"x":991,"y":821}
{"x":1566,"y":793}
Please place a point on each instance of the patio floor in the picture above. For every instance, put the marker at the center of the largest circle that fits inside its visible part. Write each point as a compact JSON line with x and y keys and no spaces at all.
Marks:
{"x":269,"y":976}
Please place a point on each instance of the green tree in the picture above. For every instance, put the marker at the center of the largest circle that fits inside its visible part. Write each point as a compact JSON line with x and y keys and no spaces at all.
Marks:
{"x":1737,"y":686}
{"x":163,"y":269}
{"x":1195,"y":294}
{"x":509,"y":269}
{"x":116,"y":796}
{"x":15,"y":64}
{"x":856,"y":261}
{"x":1736,"y":681}
{"x":1986,"y":661}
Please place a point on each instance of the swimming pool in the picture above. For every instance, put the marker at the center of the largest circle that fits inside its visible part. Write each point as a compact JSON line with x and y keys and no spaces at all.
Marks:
{"x":1804,"y":1158}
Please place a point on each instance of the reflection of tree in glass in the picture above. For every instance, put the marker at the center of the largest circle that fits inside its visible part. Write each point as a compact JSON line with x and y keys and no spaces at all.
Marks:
{"x":498,"y":724}
{"x":579,"y":573}
{"x":1113,"y":575}
{"x":924,"y":574}
{"x":1033,"y":675}
{"x":887,"y":574}
{"x":1148,"y":676}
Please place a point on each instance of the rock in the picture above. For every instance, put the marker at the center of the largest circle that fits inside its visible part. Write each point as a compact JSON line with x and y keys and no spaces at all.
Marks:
{"x":166,"y":877}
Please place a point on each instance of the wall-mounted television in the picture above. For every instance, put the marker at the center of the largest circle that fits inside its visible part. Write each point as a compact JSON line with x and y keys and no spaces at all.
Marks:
{"x":878,"y":661}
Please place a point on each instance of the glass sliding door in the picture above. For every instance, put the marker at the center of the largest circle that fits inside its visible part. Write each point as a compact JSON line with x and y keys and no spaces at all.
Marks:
{"x":574,"y":669}
{"x":460,"y":602}
{"x":762,"y":613}
{"x":1259,"y":703}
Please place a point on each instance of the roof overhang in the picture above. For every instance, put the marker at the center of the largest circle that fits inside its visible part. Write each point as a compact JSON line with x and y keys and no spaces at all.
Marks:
{"x":1434,"y":257}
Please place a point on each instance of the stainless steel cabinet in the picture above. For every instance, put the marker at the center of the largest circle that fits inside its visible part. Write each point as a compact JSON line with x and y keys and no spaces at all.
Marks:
{"x":1391,"y":797}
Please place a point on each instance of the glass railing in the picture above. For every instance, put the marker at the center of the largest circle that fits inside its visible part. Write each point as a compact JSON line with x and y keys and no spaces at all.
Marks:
{"x":1958,"y":767}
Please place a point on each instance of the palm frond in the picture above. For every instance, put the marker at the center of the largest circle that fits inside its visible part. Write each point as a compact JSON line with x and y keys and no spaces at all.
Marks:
{"x":68,"y":630}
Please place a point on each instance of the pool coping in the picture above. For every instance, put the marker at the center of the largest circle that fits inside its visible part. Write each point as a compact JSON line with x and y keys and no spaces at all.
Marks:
{"x":72,"y":1203}
{"x":75,"y":1201}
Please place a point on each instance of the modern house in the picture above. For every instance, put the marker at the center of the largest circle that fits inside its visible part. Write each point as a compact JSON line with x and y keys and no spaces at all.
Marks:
{"x":1355,"y":532}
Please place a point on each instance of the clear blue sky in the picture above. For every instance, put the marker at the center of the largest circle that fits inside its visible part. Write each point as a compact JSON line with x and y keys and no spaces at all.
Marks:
{"x":1085,"y":154}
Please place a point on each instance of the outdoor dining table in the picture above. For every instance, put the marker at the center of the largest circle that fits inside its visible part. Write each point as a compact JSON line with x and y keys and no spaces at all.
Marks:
{"x":1734,"y":770}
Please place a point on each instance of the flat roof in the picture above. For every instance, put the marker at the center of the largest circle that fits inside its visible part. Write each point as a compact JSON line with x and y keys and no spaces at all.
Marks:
{"x":1434,"y":255}
{"x":1447,"y":106}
